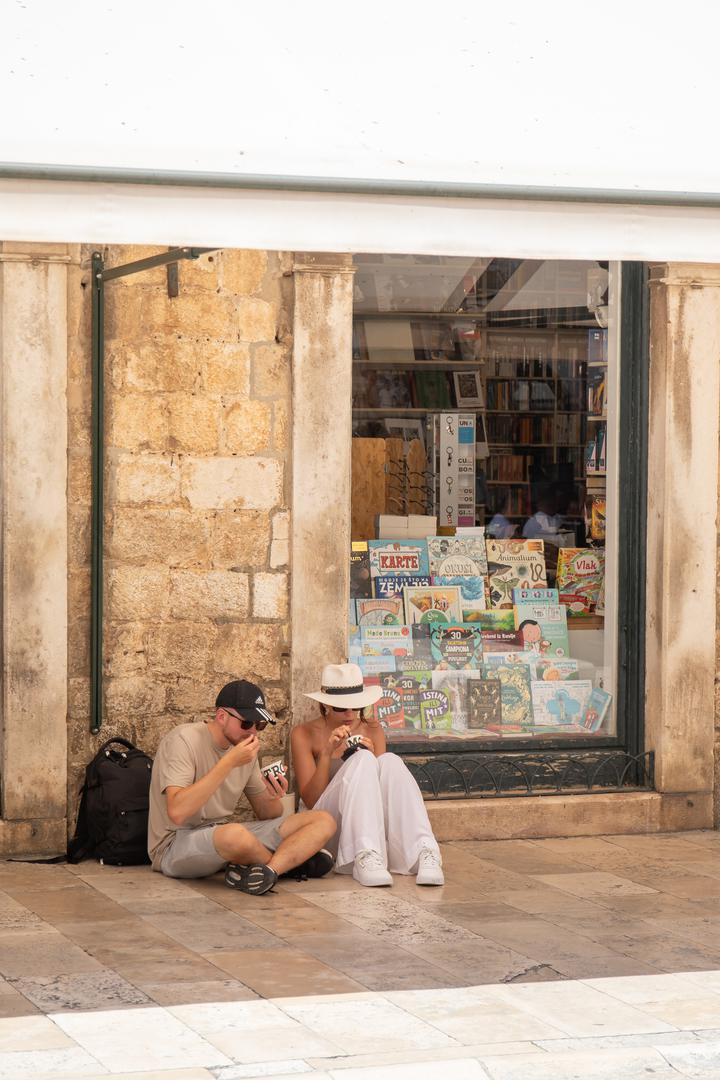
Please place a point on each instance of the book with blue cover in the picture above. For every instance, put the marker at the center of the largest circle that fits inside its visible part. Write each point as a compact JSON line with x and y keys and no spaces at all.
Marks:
{"x":535,"y":596}
{"x":596,"y":709}
{"x":560,"y":704}
{"x":377,"y":665}
{"x":393,"y":586}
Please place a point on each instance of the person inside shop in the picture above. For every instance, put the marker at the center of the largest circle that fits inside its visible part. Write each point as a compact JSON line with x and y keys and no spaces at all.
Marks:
{"x":383,"y":826}
{"x":500,"y":527}
{"x":546,"y":522}
{"x":200,"y":771}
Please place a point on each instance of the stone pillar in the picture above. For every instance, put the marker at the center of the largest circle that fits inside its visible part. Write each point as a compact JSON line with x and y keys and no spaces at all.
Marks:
{"x":322,"y":426}
{"x":682,"y":535}
{"x":33,"y":361}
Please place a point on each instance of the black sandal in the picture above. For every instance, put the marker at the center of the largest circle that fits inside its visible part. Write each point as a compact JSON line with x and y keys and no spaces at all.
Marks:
{"x":255,"y":878}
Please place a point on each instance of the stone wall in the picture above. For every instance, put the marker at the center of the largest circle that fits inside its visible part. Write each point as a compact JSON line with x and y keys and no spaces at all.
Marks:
{"x":197,"y":483}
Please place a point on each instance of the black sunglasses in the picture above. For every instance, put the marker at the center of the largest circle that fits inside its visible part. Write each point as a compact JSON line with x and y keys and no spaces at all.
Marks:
{"x":246,"y":724}
{"x":338,"y":708}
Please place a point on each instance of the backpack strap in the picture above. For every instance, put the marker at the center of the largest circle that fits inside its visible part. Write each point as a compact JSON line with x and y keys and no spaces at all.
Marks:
{"x":80,"y":847}
{"x":123,"y":742}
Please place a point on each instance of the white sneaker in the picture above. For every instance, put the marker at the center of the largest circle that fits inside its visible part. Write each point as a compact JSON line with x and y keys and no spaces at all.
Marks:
{"x":429,"y":871}
{"x":369,"y":869}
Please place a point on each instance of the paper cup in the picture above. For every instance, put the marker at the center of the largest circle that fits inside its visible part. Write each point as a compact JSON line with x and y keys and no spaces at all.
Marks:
{"x":275,"y":768}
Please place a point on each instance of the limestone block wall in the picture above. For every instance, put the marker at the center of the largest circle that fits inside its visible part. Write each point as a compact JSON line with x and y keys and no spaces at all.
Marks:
{"x":197,"y":481}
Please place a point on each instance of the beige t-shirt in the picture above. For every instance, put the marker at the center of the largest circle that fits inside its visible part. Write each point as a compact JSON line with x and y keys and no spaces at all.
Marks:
{"x":184,"y":755}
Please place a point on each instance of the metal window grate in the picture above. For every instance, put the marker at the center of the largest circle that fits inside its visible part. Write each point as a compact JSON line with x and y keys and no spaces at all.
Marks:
{"x":483,"y":776}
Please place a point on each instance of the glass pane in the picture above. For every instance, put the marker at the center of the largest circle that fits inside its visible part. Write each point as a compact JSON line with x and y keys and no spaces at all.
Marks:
{"x":484,"y":497}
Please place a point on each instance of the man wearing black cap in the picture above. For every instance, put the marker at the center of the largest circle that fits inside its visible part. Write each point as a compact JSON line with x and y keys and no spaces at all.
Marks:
{"x":200,"y":772}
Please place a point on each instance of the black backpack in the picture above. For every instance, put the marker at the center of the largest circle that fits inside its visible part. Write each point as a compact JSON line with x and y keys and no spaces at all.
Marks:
{"x":112,"y":821}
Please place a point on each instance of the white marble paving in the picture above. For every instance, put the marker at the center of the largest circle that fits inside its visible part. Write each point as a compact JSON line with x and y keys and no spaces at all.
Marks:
{"x":598,"y":1029}
{"x":255,"y":1031}
{"x":263,"y":1068}
{"x":360,"y":1026}
{"x":701,"y":1062}
{"x":462,"y":1069}
{"x":683,"y":1002}
{"x":162,"y":1074}
{"x":578,"y":1009}
{"x":31,"y":1033}
{"x":480,"y":1016}
{"x":641,"y":1064}
{"x":135,"y":1039}
{"x":33,"y":1064}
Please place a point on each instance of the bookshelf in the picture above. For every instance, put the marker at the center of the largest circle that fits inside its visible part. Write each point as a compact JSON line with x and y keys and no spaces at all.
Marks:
{"x":534,"y":382}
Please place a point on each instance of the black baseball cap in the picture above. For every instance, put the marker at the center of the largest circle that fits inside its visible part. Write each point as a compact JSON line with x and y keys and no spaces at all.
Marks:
{"x":245,"y":698}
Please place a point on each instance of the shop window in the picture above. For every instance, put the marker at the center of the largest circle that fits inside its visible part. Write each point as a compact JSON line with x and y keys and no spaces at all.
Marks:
{"x":485,"y":509}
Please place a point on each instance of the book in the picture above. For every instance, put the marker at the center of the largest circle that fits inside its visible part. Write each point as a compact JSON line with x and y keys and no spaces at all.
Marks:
{"x":492,"y":620}
{"x":393,"y":585}
{"x":535,"y":596}
{"x":457,"y":556}
{"x":597,"y":517}
{"x":388,"y":710}
{"x":354,"y":644}
{"x":596,"y":391}
{"x":544,"y":628}
{"x":411,"y":683}
{"x":386,"y":641}
{"x":514,"y":564}
{"x":455,"y":645}
{"x":431,"y":603}
{"x":550,"y":670}
{"x":421,"y":641}
{"x":472,"y":590}
{"x":508,"y":659}
{"x":435,"y":714}
{"x":601,"y":448}
{"x":580,"y":574}
{"x":432,"y":390}
{"x":484,"y":709}
{"x":502,"y":641}
{"x":597,"y":346}
{"x":515,"y":694}
{"x":398,"y":558}
{"x":389,"y":339}
{"x":380,"y":612}
{"x":376,"y":665}
{"x":596,"y":708}
{"x":360,"y":584}
{"x":559,"y":704}
{"x":454,"y":684}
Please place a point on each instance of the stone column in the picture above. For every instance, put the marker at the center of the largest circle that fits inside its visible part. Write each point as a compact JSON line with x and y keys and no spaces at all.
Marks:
{"x":33,"y":361}
{"x":682,"y":534}
{"x":322,"y":419}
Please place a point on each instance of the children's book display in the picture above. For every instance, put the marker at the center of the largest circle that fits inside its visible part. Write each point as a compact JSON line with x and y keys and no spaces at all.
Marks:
{"x":467,"y":640}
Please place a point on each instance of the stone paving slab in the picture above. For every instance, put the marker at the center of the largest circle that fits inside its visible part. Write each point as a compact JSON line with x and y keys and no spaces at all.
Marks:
{"x":588,"y":957}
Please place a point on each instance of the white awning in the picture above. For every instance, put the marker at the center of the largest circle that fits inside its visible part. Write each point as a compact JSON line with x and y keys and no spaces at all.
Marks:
{"x":607,"y":97}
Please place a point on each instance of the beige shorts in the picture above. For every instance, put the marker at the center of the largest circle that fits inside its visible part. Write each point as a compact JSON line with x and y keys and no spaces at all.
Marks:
{"x":192,"y":854}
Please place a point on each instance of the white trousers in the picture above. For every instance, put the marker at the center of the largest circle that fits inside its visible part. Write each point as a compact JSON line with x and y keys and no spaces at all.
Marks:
{"x":377,"y":805}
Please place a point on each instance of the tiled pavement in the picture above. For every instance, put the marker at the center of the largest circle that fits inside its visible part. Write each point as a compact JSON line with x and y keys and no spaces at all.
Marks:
{"x":588,"y":957}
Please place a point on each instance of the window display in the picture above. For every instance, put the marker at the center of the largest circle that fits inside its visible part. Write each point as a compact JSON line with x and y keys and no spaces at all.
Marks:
{"x":484,"y":482}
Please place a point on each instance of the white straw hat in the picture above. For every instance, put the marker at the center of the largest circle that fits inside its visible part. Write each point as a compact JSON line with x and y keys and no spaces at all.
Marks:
{"x":342,"y":686}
